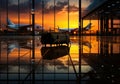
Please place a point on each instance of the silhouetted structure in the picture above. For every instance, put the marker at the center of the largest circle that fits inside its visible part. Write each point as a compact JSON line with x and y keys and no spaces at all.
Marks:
{"x":55,"y":38}
{"x":108,"y":16}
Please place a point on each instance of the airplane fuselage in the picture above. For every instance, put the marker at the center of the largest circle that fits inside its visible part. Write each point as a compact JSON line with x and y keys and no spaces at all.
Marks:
{"x":13,"y":27}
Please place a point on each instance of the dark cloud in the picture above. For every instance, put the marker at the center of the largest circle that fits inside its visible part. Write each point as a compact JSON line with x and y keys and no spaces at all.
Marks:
{"x":91,"y":0}
{"x":16,"y":2}
{"x":60,"y":6}
{"x":3,"y":4}
{"x":12,"y":5}
{"x":39,"y":4}
{"x":24,"y":6}
{"x":72,"y":8}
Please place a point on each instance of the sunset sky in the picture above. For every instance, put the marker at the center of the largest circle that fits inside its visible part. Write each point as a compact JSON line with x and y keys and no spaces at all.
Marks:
{"x":48,"y":13}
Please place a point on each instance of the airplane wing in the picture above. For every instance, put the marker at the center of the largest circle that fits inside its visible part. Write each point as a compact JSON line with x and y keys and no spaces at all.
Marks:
{"x":68,"y":29}
{"x":63,"y":30}
{"x":25,"y":26}
{"x":22,"y":27}
{"x":72,"y":30}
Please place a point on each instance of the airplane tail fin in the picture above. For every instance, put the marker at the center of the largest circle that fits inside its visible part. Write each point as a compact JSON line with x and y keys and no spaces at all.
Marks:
{"x":9,"y":22}
{"x":88,"y":26}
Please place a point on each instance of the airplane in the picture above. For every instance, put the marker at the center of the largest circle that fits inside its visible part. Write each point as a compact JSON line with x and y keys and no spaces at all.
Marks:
{"x":25,"y":44}
{"x":11,"y":47}
{"x":22,"y":27}
{"x":86,"y":43}
{"x":75,"y":30}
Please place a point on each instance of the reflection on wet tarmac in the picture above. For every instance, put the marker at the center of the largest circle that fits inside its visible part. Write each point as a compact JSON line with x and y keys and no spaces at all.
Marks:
{"x":54,"y":52}
{"x":102,"y":65}
{"x":50,"y":63}
{"x":99,"y":60}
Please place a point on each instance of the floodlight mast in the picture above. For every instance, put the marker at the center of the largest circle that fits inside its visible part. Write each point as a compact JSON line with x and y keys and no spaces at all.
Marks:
{"x":33,"y":41}
{"x":33,"y":29}
{"x":33,"y":17}
{"x":80,"y":39}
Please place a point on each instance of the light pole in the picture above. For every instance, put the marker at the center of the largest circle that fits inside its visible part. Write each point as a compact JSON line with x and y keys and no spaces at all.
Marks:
{"x":80,"y":40}
{"x":33,"y":41}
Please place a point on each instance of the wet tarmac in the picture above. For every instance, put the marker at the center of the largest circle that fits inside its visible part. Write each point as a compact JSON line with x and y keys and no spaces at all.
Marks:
{"x":49,"y":65}
{"x":20,"y":64}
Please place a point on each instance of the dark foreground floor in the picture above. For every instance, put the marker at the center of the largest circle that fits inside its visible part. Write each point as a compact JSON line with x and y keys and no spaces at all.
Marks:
{"x":20,"y":63}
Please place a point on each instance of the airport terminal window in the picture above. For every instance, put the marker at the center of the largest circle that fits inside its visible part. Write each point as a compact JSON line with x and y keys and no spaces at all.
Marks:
{"x":59,"y":42}
{"x":23,"y":58}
